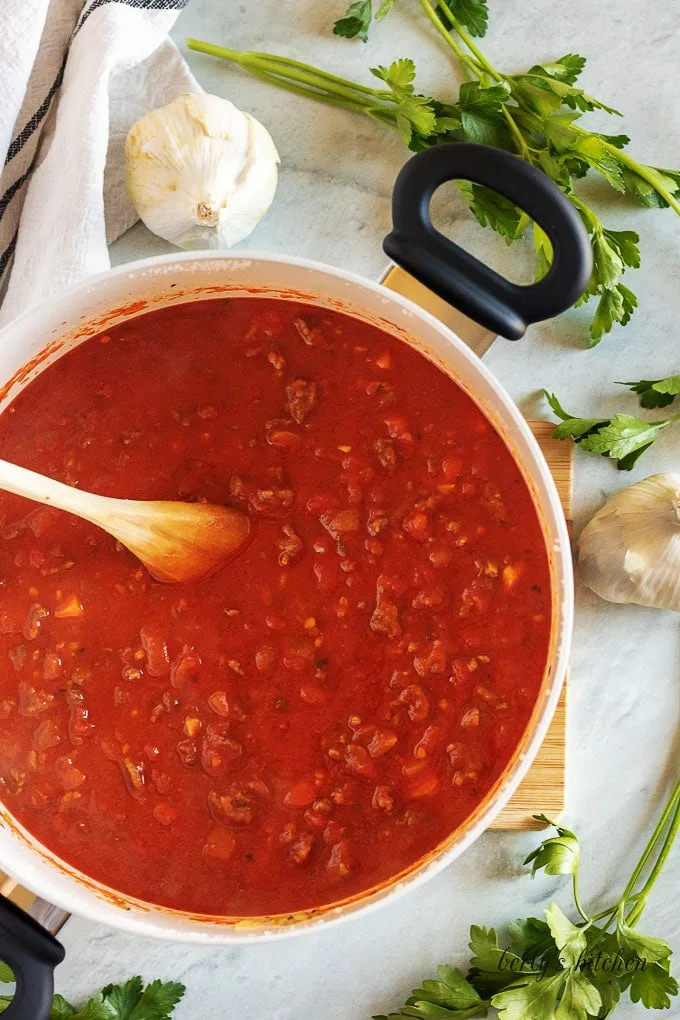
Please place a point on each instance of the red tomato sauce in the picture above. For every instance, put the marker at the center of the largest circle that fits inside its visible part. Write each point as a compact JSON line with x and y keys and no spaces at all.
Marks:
{"x":331,"y":705}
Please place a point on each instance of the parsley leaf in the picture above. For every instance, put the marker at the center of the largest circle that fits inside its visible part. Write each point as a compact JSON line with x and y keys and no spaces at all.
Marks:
{"x":595,"y":153}
{"x":355,"y":22}
{"x":544,"y":252}
{"x":95,"y":1009}
{"x":569,"y":939}
{"x":384,"y":9}
{"x":560,"y":854}
{"x":580,"y":998}
{"x":653,"y":986}
{"x":481,"y":110}
{"x":655,"y":392}
{"x":534,"y":1000}
{"x":451,"y":991}
{"x":623,"y":438}
{"x":157,"y":1002}
{"x":493,"y":210}
{"x":449,"y":997}
{"x":416,"y":115}
{"x":642,"y":947}
{"x":567,"y":69}
{"x":124,"y":998}
{"x":400,"y":75}
{"x":61,"y":1009}
{"x":615,"y":305}
{"x":6,"y":974}
{"x":531,"y":937}
{"x":492,"y":967}
{"x":471,"y":14}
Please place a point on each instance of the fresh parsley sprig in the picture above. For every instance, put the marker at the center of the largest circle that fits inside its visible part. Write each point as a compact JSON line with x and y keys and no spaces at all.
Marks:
{"x":622,"y":438}
{"x":655,"y":392}
{"x":131,"y":1001}
{"x":553,"y":968}
{"x":535,"y":114}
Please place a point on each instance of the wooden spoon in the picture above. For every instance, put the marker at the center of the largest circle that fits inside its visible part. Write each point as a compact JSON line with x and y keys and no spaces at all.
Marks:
{"x":175,"y":541}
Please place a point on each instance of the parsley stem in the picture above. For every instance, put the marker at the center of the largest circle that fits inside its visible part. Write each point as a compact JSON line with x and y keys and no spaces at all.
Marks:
{"x":671,"y":811}
{"x":577,"y":899}
{"x":447,"y":37}
{"x":644,"y":172}
{"x":283,"y":71}
{"x":478,"y":64}
{"x":636,"y":913}
{"x":474,"y":49}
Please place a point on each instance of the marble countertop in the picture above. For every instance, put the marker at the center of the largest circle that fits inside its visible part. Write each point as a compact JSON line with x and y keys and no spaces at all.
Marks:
{"x":333,"y":205}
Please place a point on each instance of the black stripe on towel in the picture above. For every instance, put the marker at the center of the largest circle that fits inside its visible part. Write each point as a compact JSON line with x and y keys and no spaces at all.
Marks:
{"x":7,"y":253}
{"x":142,"y":5}
{"x":12,"y":190}
{"x":37,"y":118}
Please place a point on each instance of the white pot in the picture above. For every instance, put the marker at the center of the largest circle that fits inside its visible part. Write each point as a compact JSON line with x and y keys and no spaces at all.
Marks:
{"x":34,"y":341}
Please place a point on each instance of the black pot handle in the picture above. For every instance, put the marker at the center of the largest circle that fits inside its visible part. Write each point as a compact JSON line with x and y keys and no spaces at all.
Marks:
{"x":460,"y":278}
{"x":32,"y":954}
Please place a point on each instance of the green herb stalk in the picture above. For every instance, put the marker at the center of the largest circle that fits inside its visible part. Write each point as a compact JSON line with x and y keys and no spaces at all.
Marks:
{"x":534,"y":114}
{"x":623,"y":438}
{"x":553,"y":968}
{"x":131,"y":1001}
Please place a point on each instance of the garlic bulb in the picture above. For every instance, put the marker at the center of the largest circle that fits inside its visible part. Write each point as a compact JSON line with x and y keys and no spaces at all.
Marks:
{"x":630,"y":550}
{"x":201,"y":173}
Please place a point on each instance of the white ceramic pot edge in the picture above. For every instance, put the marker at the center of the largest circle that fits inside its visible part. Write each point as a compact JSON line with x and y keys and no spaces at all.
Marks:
{"x":25,"y":336}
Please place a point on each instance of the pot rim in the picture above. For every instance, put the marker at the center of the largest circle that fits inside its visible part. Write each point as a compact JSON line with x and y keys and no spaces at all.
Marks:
{"x":139,"y":918}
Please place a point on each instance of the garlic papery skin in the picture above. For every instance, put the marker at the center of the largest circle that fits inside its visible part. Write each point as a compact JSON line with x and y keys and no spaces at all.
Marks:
{"x":630,"y":550}
{"x":200,"y":172}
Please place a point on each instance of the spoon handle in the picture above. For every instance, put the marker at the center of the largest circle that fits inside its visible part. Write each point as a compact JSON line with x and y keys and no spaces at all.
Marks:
{"x":30,"y":484}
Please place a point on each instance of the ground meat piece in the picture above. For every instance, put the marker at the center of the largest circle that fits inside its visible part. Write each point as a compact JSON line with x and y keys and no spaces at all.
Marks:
{"x":188,"y":752}
{"x":386,"y":453}
{"x":218,"y":749}
{"x":36,"y":614}
{"x":385,"y":618}
{"x":32,"y":701}
{"x":271,"y":502}
{"x":301,"y":396}
{"x":46,"y":735}
{"x":232,"y":808}
{"x":377,"y":522}
{"x":433,"y":659}
{"x":341,"y":522}
{"x":383,"y":799}
{"x":312,"y":335}
{"x":429,"y":598}
{"x":417,"y":701}
{"x":301,"y":849}
{"x":133,"y":774}
{"x":157,"y":659}
{"x":185,"y":667}
{"x":291,"y":547}
{"x":18,"y":656}
{"x":358,"y":762}
{"x":339,"y":863}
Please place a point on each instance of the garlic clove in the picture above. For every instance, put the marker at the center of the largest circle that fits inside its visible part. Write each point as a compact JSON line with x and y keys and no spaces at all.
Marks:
{"x":630,"y":550}
{"x":200,"y":172}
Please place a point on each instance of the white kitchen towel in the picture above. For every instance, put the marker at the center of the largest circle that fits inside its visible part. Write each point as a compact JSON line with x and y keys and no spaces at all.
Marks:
{"x":74,"y":76}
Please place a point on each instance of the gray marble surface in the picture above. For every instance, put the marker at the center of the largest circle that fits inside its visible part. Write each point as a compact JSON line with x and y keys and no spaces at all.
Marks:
{"x":333,"y":205}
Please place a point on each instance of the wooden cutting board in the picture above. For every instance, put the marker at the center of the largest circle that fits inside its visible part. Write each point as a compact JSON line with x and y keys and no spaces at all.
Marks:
{"x":543,"y":789}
